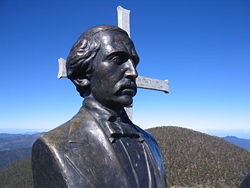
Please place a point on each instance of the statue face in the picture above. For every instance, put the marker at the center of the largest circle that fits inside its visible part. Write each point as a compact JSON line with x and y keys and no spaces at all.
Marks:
{"x":112,"y":82}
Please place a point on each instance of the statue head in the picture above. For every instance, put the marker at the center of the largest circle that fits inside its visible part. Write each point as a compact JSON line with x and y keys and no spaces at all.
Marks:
{"x":102,"y":64}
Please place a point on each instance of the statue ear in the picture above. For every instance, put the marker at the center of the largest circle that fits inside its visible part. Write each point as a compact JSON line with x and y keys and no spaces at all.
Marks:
{"x":81,"y":82}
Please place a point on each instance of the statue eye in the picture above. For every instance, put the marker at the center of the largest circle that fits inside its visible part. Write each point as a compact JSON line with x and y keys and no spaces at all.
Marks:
{"x":119,"y":59}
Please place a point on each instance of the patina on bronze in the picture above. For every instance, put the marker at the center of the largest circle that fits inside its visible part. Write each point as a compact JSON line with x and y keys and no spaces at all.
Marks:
{"x":100,"y":147}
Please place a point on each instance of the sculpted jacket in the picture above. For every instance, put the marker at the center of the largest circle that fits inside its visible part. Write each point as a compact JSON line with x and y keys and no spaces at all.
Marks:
{"x":97,"y":149}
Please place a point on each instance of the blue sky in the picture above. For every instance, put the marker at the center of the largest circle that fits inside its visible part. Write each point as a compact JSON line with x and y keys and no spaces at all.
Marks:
{"x":201,"y":46}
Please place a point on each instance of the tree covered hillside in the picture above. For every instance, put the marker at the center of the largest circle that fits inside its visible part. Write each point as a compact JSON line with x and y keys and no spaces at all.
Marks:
{"x":193,"y":158}
{"x":17,"y":175}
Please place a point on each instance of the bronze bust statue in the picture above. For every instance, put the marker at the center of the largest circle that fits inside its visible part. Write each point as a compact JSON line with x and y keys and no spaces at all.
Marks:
{"x":100,"y":147}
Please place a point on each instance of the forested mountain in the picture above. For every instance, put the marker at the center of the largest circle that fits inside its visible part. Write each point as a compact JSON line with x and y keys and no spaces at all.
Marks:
{"x":193,"y":158}
{"x":15,"y":146}
{"x":17,"y":175}
{"x":10,"y":156}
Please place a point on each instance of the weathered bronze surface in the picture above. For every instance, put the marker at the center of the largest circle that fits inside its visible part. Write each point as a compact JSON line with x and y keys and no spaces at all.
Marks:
{"x":100,"y":147}
{"x":246,"y":182}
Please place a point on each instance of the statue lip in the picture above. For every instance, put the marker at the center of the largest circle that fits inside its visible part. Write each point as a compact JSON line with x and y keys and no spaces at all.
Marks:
{"x":128,"y":91}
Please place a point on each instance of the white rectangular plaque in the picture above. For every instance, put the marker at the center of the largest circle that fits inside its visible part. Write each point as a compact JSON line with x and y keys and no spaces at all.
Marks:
{"x":150,"y":83}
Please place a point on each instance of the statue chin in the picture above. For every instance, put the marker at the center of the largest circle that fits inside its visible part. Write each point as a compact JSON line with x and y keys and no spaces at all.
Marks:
{"x":120,"y":102}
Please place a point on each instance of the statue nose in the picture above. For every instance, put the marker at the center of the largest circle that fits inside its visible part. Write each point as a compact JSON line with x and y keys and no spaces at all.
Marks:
{"x":131,"y":69}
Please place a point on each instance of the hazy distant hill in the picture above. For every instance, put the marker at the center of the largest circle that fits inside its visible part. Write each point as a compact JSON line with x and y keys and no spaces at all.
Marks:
{"x":12,"y":141}
{"x":244,"y":143}
{"x":9,"y":156}
{"x":191,"y":159}
{"x":6,"y":135}
{"x":15,"y":146}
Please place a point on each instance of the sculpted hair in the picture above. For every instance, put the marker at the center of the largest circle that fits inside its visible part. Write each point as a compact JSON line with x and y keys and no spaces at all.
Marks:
{"x":81,"y":55}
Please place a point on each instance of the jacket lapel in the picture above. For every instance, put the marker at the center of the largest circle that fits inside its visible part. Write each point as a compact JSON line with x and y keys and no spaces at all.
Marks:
{"x":91,"y":155}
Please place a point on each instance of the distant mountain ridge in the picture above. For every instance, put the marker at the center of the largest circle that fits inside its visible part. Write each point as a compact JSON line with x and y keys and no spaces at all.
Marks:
{"x":21,"y":131}
{"x":6,"y":135}
{"x":17,"y":141}
{"x":244,"y":143}
{"x":192,"y":159}
{"x":9,"y":156}
{"x":15,"y":146}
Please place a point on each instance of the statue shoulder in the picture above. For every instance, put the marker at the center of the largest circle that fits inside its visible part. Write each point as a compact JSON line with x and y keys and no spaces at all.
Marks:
{"x":56,"y":138}
{"x":48,"y":161}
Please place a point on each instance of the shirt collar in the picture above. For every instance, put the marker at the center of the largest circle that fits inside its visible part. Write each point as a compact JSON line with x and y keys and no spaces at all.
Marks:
{"x":107,"y":118}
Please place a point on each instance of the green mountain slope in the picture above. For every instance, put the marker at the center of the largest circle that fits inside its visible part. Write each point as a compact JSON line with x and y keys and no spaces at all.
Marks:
{"x":17,"y":175}
{"x":9,"y":156}
{"x":191,"y":159}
